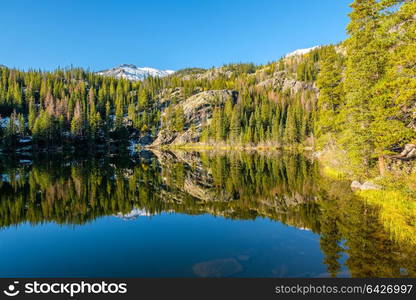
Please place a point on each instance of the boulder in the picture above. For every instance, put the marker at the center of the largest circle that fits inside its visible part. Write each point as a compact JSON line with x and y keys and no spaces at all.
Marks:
{"x":408,"y":148}
{"x":355,"y":185}
{"x":409,"y":152}
{"x":368,"y":185}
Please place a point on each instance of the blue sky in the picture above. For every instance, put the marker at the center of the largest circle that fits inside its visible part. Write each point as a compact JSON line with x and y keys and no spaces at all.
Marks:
{"x":163,"y":34}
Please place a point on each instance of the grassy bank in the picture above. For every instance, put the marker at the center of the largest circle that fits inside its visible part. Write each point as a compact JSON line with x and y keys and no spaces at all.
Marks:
{"x":397,"y":212}
{"x":396,"y":202}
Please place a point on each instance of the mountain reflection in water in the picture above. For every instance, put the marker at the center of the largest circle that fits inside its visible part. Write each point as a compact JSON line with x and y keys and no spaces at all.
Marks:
{"x":273,"y":190}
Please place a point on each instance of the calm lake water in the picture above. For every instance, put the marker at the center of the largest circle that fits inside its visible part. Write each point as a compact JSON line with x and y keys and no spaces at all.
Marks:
{"x":164,"y":214}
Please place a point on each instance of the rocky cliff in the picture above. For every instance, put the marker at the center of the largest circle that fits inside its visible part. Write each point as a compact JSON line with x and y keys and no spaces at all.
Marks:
{"x":280,"y":80}
{"x":198,"y":97}
{"x":197,"y":114}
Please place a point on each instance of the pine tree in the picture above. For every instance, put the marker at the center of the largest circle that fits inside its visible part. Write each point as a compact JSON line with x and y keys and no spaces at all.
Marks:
{"x":291,"y":129}
{"x":372,"y":123}
{"x":21,"y":128}
{"x":119,"y":118}
{"x":331,"y":93}
{"x":235,"y":126}
{"x":131,"y":113}
{"x":179,"y":119}
{"x":363,"y":68}
{"x":77,"y":121}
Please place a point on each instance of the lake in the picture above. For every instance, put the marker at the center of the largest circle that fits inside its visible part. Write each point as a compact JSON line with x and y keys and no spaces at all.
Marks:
{"x":188,"y":214}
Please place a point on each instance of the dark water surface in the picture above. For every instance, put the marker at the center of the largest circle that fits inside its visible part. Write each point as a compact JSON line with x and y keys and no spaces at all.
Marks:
{"x":167,"y":214}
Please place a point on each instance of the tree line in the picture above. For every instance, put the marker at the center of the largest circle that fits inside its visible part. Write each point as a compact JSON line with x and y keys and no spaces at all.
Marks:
{"x":367,"y":91}
{"x":70,"y":105}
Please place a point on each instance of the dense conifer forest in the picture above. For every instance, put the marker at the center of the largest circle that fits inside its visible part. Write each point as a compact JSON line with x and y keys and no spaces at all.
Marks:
{"x":359,"y":95}
{"x":321,"y":140}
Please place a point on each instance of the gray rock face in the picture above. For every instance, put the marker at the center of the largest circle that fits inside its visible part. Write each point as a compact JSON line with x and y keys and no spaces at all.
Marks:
{"x":165,"y":137}
{"x":198,"y":108}
{"x":280,"y":80}
{"x":198,"y":111}
{"x":210,"y":74}
{"x":189,"y":136}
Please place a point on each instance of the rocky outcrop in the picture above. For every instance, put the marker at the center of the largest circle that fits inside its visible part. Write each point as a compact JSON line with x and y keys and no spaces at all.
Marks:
{"x":164,"y":137}
{"x":198,"y":108}
{"x":198,"y":111}
{"x":405,"y":162}
{"x":166,"y":96}
{"x":189,"y":136}
{"x":280,"y":81}
{"x":210,"y":74}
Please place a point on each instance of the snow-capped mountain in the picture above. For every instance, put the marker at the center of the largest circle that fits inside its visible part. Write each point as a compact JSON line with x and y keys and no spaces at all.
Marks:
{"x":301,"y":51}
{"x":131,"y":72}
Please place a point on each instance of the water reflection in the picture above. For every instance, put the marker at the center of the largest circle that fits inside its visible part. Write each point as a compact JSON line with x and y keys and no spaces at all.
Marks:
{"x":236,"y":186}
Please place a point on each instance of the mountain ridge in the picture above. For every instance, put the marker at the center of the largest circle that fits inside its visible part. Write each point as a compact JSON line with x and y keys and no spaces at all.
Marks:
{"x":134,"y":73}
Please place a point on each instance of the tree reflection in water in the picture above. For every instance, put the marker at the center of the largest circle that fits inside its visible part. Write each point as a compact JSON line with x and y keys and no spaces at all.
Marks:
{"x":281,"y":187}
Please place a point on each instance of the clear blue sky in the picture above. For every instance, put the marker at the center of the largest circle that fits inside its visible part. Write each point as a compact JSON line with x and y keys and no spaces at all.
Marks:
{"x":163,"y":34}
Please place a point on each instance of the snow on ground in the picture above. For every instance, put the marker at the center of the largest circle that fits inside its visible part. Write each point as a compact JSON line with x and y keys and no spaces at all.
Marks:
{"x":301,"y":51}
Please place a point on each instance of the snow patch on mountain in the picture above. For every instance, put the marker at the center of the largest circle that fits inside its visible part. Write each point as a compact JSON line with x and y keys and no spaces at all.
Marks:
{"x":131,"y":72}
{"x":133,"y":214}
{"x":301,"y":51}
